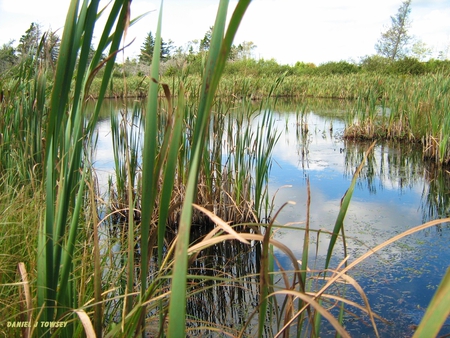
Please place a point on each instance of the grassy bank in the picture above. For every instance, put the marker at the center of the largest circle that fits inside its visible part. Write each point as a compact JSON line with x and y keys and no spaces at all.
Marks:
{"x":412,"y":108}
{"x":338,"y":86}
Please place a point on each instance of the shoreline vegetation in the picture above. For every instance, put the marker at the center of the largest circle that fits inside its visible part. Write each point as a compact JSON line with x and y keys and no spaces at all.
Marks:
{"x":411,"y":108}
{"x":401,"y":99}
{"x":60,"y":267}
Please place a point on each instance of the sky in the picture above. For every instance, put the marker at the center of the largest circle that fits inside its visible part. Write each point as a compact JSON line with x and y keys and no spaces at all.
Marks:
{"x":288,"y":31}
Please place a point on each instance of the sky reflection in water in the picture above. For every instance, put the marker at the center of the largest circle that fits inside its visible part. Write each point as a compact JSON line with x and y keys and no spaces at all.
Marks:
{"x":401,"y":279}
{"x":390,"y":197}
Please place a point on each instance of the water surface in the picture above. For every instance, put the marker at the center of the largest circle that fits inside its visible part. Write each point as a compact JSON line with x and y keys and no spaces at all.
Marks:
{"x":395,"y":192}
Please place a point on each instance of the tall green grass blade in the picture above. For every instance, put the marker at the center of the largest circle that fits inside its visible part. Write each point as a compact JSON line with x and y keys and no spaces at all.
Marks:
{"x":173,"y":136}
{"x":131,"y":204}
{"x":98,"y":275}
{"x":65,"y":138}
{"x":339,"y":224}
{"x":218,"y":54}
{"x":265,"y":280}
{"x":59,"y":99}
{"x":345,"y":202}
{"x":150,"y":175}
{"x":120,"y":9}
{"x":69,"y":250}
{"x":305,"y":254}
{"x":437,"y":312}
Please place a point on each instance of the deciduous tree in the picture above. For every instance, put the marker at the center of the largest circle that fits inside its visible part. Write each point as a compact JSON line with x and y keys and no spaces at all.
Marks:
{"x":420,"y":50}
{"x":393,"y":42}
{"x":8,"y":56}
{"x":206,"y":41}
{"x":29,"y":42}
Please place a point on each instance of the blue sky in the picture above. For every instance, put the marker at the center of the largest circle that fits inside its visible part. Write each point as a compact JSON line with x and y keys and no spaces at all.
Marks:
{"x":286,"y":30}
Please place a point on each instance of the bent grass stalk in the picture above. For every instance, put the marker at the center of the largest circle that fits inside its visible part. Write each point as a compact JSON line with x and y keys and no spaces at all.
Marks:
{"x":437,"y":312}
{"x":65,"y":184}
{"x":219,"y":49}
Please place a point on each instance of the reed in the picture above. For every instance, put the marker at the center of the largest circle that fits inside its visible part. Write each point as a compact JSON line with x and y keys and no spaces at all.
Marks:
{"x":233,"y":175}
{"x":17,"y":227}
{"x":22,"y":140}
{"x":402,"y":107}
{"x":198,"y":157}
{"x":65,"y":175}
{"x":413,"y":109}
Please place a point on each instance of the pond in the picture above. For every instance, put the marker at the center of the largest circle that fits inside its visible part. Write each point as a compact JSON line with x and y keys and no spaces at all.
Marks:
{"x":395,"y":191}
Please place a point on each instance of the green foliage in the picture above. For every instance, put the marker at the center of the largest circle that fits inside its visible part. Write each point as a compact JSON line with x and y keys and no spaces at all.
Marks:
{"x":418,"y":112}
{"x":404,"y":66}
{"x":375,"y":63}
{"x":23,"y":109}
{"x":393,"y":42}
{"x":148,"y":47}
{"x":243,"y":50}
{"x":205,"y":43}
{"x":257,"y":68}
{"x":221,"y":41}
{"x":34,"y":40}
{"x":407,"y":65}
{"x":65,"y":173}
{"x":44,"y":138}
{"x":8,"y":57}
{"x":331,"y":68}
{"x":435,"y":66}
{"x":420,"y":51}
{"x":29,"y":42}
{"x":303,"y":68}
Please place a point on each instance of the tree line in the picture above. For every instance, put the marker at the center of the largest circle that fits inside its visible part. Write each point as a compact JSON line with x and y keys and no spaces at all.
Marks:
{"x":396,"y":53}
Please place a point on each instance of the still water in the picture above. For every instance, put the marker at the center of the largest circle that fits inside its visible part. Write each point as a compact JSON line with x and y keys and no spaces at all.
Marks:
{"x":395,"y":191}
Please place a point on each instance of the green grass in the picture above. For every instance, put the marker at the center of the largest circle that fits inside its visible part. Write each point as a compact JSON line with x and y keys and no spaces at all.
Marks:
{"x":143,"y":277}
{"x":401,"y":107}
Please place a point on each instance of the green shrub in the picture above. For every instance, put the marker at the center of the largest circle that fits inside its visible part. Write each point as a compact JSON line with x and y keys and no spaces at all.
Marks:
{"x":437,"y":66}
{"x":374,"y":63}
{"x":407,"y":65}
{"x":303,"y":68}
{"x":341,"y":67}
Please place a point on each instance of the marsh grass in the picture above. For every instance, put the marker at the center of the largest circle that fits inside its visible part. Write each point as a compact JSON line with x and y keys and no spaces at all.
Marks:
{"x":233,"y":175}
{"x":17,"y":227}
{"x":414,"y":109}
{"x":148,"y":279}
{"x":401,"y":107}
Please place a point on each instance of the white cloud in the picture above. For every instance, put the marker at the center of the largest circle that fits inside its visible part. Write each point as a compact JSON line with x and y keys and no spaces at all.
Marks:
{"x":287,"y":30}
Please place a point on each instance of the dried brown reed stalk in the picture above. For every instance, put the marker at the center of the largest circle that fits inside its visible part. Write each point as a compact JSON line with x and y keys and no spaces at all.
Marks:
{"x":25,"y":297}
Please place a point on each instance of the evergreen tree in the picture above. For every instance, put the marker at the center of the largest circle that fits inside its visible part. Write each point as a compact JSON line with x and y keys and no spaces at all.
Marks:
{"x":149,"y":45}
{"x":39,"y":47}
{"x":166,"y":49}
{"x":147,"y":49}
